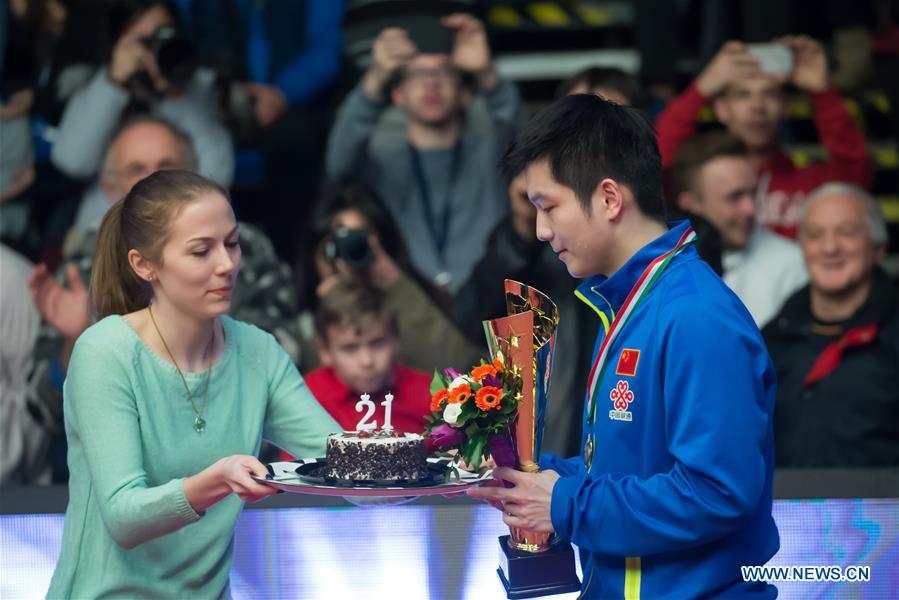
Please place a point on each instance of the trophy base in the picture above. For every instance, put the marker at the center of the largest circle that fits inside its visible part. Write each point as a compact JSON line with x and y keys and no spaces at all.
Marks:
{"x":528,"y":575}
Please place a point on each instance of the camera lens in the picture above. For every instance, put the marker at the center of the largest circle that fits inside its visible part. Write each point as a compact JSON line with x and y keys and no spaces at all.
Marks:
{"x":175,"y":55}
{"x":351,"y":245}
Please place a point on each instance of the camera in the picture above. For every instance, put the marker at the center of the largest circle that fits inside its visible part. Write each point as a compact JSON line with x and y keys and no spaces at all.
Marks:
{"x":351,"y":246}
{"x":175,"y":55}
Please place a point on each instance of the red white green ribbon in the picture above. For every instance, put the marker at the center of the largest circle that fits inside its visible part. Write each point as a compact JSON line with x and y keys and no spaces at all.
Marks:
{"x":637,"y":294}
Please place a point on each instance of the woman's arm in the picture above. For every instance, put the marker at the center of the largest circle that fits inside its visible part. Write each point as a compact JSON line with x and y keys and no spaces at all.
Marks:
{"x":294,"y":419}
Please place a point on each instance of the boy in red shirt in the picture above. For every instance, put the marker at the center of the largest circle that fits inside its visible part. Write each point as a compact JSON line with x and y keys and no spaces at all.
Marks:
{"x":358,"y":344}
{"x":750,"y":104}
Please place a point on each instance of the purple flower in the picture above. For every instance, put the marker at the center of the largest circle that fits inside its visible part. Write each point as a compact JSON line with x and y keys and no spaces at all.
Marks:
{"x":502,"y":448}
{"x":451,"y":373}
{"x":443,"y":436}
{"x":493,"y":380}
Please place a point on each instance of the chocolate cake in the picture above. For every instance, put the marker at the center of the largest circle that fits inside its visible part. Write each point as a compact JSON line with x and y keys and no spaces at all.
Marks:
{"x":376,"y":455}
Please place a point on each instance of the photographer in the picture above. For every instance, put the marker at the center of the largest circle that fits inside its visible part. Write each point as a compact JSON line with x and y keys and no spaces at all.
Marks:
{"x":150,"y":69}
{"x":354,"y":239}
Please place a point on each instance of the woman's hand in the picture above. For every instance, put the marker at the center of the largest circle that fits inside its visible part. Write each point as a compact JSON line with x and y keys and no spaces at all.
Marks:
{"x":236,"y":472}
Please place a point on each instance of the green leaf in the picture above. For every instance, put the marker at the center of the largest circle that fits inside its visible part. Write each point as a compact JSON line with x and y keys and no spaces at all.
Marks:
{"x":437,"y":383}
{"x":476,"y":450}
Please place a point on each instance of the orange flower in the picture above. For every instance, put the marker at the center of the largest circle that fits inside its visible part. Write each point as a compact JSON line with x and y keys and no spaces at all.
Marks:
{"x":460,"y":394}
{"x":488,"y":397}
{"x":498,"y":364}
{"x":479,"y":373}
{"x":439,"y":399}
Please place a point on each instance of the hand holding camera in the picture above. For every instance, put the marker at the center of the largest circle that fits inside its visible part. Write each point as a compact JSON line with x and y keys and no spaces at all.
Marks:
{"x":154,"y":47}
{"x":356,"y":253}
{"x":130,"y":56}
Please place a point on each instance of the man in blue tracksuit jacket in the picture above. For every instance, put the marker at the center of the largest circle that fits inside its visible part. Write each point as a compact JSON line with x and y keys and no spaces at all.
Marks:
{"x":672,"y":492}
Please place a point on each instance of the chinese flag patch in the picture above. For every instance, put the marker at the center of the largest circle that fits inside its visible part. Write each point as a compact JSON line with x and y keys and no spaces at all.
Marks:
{"x":627,"y":362}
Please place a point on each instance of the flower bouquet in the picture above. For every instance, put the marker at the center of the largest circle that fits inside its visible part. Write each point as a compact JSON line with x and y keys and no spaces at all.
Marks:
{"x":474,"y":412}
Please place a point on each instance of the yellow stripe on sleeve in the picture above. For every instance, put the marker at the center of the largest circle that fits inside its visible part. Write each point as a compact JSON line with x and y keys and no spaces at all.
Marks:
{"x":632,"y":578}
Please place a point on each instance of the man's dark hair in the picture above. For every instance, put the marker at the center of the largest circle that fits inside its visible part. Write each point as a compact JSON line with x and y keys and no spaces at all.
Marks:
{"x":611,"y":78}
{"x":587,"y":139}
{"x":696,"y":152}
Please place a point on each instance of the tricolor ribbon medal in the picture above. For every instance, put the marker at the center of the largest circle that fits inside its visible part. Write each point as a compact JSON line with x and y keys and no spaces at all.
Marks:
{"x":629,"y":358}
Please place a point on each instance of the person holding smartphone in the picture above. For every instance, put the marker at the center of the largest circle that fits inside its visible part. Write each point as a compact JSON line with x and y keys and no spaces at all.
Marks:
{"x":438,"y":179}
{"x":744,"y":84}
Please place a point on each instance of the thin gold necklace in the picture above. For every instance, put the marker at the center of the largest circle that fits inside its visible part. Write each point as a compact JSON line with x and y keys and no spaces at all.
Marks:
{"x":199,"y":421}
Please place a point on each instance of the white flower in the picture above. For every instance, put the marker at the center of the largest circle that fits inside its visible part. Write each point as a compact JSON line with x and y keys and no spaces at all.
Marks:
{"x":451,"y":413}
{"x":460,"y":380}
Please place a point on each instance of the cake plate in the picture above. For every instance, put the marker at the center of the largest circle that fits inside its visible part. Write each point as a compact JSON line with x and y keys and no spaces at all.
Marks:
{"x":282,"y":475}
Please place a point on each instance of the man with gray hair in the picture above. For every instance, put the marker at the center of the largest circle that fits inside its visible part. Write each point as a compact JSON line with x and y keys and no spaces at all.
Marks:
{"x":835,"y":343}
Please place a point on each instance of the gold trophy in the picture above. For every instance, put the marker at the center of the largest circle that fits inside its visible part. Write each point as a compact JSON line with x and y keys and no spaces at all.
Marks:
{"x":533,"y":563}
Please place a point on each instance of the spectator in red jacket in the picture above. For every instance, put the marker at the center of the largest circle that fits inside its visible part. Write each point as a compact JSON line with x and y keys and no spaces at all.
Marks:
{"x":750,"y":103}
{"x":358,"y":343}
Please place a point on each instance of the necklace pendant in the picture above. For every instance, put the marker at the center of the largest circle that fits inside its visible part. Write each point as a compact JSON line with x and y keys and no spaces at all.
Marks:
{"x":199,"y":424}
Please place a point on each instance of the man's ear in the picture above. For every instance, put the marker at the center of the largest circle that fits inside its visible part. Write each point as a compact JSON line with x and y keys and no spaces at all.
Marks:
{"x":143,"y":267}
{"x":608,"y":199}
{"x":688,"y":202}
{"x":324,"y":355}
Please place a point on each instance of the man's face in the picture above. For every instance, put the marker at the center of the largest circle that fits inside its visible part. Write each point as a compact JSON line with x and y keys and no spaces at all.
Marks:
{"x":137,"y":152}
{"x":836,"y":241}
{"x":431,"y":90}
{"x":751,"y":109}
{"x":363,"y":359}
{"x":725,"y":197}
{"x":581,"y":242}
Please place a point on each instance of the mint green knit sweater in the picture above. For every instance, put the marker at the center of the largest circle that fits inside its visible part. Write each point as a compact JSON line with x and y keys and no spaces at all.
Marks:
{"x":129,"y":531}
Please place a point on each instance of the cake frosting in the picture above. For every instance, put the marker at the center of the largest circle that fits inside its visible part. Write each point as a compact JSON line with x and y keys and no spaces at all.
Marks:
{"x":376,"y":455}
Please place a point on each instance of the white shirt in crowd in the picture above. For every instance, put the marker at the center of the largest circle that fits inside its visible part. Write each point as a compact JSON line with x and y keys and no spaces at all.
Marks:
{"x":764,"y":273}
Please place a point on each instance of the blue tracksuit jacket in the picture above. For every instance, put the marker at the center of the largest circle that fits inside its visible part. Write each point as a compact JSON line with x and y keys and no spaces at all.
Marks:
{"x":678,"y":496}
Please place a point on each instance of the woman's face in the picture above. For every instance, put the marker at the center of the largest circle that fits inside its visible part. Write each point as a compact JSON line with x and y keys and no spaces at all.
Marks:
{"x":351,"y":219}
{"x":201,"y":258}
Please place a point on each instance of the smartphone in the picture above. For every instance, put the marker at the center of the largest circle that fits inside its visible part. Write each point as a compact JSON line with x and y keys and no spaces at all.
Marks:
{"x":774,"y":59}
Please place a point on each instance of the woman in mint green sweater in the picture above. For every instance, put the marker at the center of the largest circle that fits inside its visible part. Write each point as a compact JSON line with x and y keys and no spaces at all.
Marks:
{"x":167,"y":400}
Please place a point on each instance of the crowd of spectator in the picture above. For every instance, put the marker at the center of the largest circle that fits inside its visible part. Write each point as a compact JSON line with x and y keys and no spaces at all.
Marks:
{"x":376,"y":228}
